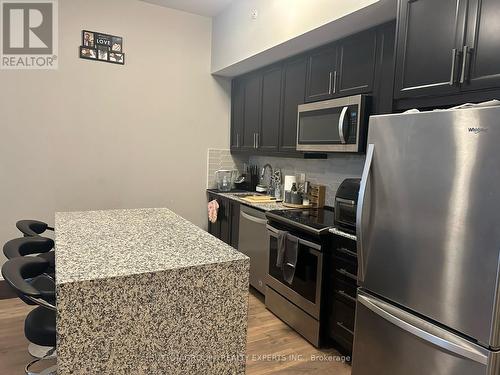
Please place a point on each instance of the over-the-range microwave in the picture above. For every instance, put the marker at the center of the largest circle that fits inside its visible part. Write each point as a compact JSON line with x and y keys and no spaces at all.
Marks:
{"x":335,"y":125}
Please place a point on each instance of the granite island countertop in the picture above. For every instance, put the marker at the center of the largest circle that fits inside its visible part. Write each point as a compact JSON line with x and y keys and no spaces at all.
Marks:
{"x":94,"y":245}
{"x":144,"y":291}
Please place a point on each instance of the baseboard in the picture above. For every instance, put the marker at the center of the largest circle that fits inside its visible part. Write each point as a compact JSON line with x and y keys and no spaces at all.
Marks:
{"x":6,"y":291}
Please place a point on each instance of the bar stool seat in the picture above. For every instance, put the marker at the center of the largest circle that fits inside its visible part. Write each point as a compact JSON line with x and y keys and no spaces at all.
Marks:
{"x":40,"y":324}
{"x":40,"y":327}
{"x":19,"y":247}
{"x":31,"y":228}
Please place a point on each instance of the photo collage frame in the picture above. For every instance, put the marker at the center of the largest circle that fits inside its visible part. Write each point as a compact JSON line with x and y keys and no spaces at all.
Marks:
{"x":102,"y":47}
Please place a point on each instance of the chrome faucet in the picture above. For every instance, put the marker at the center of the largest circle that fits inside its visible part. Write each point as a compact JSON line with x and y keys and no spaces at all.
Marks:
{"x":270,"y":187}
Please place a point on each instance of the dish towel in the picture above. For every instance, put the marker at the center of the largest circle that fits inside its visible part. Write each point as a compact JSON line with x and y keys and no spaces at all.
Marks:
{"x":213,"y":209}
{"x":281,"y":248}
{"x":290,"y":258}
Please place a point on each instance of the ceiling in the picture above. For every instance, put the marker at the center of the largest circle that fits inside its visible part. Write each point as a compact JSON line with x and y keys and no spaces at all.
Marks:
{"x":208,"y":8}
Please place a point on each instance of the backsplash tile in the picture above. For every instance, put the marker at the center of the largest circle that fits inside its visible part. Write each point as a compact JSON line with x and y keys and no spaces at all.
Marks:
{"x":221,"y":159}
{"x":329,"y":172}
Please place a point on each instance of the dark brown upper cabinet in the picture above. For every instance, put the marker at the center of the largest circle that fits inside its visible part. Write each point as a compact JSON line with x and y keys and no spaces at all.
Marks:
{"x":429,"y":42}
{"x":356,"y":64}
{"x":265,"y":102}
{"x":321,"y":74}
{"x":293,"y":94}
{"x":268,"y":136}
{"x":482,"y":45}
{"x":447,"y":51}
{"x":237,"y":112}
{"x":342,"y":69}
{"x":252,"y":110}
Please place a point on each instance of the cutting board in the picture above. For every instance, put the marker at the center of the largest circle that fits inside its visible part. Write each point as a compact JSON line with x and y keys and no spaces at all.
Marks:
{"x":259,"y":199}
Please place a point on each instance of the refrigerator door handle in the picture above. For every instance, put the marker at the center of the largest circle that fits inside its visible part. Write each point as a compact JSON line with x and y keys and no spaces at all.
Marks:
{"x":400,"y":318}
{"x":359,"y":214}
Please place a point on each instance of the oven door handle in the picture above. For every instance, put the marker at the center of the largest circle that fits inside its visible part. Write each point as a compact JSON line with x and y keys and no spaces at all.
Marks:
{"x":313,"y":247}
{"x":360,"y":210}
{"x":341,"y":124}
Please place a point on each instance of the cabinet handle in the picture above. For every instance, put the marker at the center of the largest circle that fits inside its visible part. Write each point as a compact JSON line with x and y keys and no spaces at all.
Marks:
{"x":341,"y":325}
{"x":348,"y":252}
{"x":238,"y":140}
{"x":334,"y":81}
{"x":345,"y":295}
{"x":463,"y":75}
{"x":453,"y":66}
{"x":347,"y":274}
{"x":254,"y":142}
{"x":330,"y":83}
{"x":258,"y":140}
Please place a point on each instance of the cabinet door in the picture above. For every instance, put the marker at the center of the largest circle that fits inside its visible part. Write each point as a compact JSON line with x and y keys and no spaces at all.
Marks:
{"x":356,"y":64}
{"x":235,"y":223}
{"x":384,"y":70}
{"x":253,"y":92}
{"x":430,"y":38}
{"x":224,"y":218}
{"x":482,"y":66}
{"x":321,"y":74}
{"x":214,"y":228}
{"x":237,"y":107}
{"x":268,"y":137}
{"x":293,"y":95}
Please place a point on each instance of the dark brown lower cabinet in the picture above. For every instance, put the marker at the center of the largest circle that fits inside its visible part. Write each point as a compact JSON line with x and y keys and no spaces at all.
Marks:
{"x":342,"y":289}
{"x":226,"y":228}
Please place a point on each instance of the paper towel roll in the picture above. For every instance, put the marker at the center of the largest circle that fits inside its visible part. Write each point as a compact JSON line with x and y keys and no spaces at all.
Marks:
{"x":289,"y":181}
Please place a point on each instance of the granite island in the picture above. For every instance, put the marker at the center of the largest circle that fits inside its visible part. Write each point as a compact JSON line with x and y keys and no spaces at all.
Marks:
{"x":144,"y":291}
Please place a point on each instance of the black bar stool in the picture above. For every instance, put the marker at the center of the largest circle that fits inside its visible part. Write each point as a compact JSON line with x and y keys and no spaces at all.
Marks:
{"x":32,"y":228}
{"x":23,"y":246}
{"x":40,"y":324}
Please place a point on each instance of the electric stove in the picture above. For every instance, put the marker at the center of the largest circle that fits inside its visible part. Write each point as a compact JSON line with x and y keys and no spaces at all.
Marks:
{"x":316,"y":221}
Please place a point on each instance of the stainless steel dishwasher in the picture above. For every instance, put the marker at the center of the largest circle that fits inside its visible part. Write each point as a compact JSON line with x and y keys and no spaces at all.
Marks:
{"x":254,"y":242}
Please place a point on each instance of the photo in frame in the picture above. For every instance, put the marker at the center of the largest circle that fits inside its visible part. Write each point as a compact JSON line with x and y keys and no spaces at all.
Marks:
{"x":102,"y":47}
{"x":88,"y":53}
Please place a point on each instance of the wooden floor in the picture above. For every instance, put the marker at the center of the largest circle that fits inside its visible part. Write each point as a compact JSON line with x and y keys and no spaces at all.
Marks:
{"x":273,"y":348}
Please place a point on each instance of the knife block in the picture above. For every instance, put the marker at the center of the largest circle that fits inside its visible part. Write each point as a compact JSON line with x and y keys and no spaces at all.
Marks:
{"x":317,"y":195}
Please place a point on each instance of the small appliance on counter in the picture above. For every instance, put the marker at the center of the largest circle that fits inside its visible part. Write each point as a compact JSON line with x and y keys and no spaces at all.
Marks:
{"x":225,"y":179}
{"x":346,"y":203}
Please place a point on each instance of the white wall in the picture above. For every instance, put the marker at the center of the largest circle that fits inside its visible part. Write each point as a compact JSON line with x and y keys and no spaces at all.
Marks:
{"x":93,"y":135}
{"x":287,"y":27}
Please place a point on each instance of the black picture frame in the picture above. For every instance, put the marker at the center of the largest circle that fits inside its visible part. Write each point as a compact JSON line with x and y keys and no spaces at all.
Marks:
{"x":88,"y":56}
{"x":103,"y":46}
{"x":121,"y":62}
{"x":88,"y":34}
{"x":102,"y":53}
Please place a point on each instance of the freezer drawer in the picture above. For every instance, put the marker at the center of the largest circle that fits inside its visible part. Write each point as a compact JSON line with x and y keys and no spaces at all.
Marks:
{"x":391,"y":341}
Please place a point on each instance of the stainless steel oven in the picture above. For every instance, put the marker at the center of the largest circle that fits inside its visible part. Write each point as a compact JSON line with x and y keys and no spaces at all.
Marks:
{"x":298,"y":303}
{"x":336,"y":125}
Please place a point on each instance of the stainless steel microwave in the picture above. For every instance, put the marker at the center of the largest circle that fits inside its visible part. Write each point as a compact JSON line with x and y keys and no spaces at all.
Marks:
{"x":335,"y":125}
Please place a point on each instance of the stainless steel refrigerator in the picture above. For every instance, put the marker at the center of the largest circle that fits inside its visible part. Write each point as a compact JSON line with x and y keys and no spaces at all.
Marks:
{"x":429,"y":244}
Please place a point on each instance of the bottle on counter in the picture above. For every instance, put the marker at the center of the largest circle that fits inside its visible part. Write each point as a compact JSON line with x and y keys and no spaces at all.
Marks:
{"x":295,"y":196}
{"x":305,"y":196}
